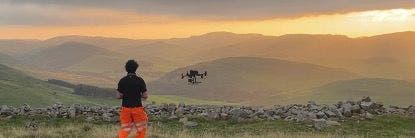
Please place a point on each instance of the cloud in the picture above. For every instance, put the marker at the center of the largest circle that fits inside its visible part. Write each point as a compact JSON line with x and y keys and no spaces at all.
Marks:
{"x":57,"y":15}
{"x":44,"y":12}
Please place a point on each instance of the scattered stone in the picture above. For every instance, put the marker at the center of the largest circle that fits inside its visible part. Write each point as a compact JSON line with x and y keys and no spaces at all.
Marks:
{"x":319,"y":124}
{"x":321,"y":115}
{"x":310,"y":113}
{"x":366,"y":105}
{"x":330,"y":114}
{"x":347,"y":110}
{"x":368,"y":115}
{"x":32,"y":126}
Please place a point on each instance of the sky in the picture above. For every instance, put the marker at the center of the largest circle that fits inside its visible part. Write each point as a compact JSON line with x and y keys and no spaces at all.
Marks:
{"x":157,"y":19}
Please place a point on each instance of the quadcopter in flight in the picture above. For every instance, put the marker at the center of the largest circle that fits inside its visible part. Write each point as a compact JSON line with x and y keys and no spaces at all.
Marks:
{"x":192,"y":76}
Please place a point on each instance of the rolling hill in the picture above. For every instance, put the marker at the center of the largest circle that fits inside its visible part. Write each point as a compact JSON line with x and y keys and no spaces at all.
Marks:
{"x":384,"y":56}
{"x":333,"y":51}
{"x":18,"y":47}
{"x":389,"y":91}
{"x":242,"y":79}
{"x":16,"y":88}
{"x":65,"y":55}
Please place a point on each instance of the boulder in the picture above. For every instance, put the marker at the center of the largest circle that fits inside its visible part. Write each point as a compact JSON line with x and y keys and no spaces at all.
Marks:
{"x":347,"y":110}
{"x":356,"y":109}
{"x":366,"y":105}
{"x":5,"y":110}
{"x":321,"y":115}
{"x":72,"y":112}
{"x":237,"y":113}
{"x":330,"y":114}
{"x":180,"y":111}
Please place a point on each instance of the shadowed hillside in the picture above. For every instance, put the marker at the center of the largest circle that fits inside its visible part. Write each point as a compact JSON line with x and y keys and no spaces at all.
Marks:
{"x":240,"y":79}
{"x":16,"y":89}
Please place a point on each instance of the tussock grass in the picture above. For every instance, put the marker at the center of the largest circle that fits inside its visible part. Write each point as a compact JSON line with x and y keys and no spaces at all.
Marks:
{"x":384,"y":126}
{"x":85,"y":131}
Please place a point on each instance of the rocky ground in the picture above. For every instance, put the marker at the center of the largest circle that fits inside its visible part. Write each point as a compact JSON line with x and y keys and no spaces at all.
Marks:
{"x":315,"y":115}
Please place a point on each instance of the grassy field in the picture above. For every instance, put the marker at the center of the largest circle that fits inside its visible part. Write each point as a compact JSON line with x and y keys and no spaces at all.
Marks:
{"x":385,"y":126}
{"x":387,"y":91}
{"x":16,"y":88}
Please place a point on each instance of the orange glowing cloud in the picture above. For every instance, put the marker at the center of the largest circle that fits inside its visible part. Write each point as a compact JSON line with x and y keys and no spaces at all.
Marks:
{"x":35,"y":21}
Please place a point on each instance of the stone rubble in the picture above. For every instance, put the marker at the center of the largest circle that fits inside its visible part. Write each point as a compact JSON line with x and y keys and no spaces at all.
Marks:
{"x":320,"y":115}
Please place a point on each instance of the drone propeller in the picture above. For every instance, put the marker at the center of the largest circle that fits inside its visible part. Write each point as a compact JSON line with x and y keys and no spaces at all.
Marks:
{"x":182,"y":76}
{"x":205,"y":73}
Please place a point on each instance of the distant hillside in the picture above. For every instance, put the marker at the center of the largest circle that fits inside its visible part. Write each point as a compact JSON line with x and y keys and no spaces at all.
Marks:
{"x":65,"y":55}
{"x":384,"y":56}
{"x":16,"y":88}
{"x":6,"y":59}
{"x":17,"y":47}
{"x":386,"y":90}
{"x":240,"y":79}
{"x":333,"y":51}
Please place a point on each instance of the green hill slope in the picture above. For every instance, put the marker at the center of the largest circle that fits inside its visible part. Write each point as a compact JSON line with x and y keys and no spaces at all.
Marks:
{"x":246,"y":79}
{"x":389,"y":91}
{"x":17,"y":88}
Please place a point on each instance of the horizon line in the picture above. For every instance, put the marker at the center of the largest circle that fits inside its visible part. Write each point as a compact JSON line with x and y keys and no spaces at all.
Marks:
{"x":97,"y":36}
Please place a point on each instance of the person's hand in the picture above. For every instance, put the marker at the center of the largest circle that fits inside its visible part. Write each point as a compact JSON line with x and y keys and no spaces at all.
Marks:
{"x":119,"y":95}
{"x":144,"y":96}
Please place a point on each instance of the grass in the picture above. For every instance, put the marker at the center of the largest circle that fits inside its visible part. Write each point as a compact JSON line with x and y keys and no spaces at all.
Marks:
{"x":383,"y":126}
{"x":388,"y":91}
{"x":16,"y":88}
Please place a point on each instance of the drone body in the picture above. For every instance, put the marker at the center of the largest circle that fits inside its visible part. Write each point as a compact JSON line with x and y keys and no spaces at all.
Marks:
{"x":192,"y":76}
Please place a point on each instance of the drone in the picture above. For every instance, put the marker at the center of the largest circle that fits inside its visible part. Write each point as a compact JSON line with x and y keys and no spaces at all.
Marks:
{"x":192,"y":76}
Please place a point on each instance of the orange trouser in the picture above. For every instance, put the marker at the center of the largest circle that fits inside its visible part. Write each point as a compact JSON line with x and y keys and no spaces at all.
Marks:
{"x":130,"y":117}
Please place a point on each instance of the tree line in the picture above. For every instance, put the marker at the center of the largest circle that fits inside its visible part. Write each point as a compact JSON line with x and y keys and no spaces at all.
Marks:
{"x":85,"y":90}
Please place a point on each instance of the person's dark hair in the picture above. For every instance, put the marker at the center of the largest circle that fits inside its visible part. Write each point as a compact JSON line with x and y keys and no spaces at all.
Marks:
{"x":131,"y":66}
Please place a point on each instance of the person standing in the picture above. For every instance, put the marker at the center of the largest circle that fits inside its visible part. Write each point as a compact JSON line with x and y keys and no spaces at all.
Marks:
{"x":132,"y":89}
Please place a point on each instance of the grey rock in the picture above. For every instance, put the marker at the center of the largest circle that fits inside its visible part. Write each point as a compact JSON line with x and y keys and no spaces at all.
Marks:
{"x":72,"y":112}
{"x":368,"y":115}
{"x":366,"y":105}
{"x":319,"y":124}
{"x":330,"y":114}
{"x":237,"y":113}
{"x":356,"y":109}
{"x":5,"y":110}
{"x":347,"y":109}
{"x":321,"y":115}
{"x":180,"y":111}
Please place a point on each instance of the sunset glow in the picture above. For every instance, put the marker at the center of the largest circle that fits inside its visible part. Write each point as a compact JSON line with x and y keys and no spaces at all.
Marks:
{"x":110,"y":23}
